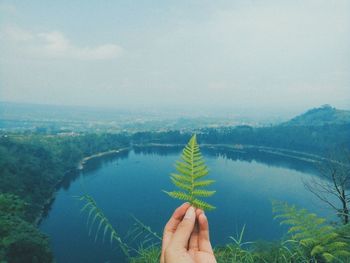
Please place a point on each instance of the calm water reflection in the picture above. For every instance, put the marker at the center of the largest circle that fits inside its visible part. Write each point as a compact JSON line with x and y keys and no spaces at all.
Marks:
{"x":131,"y":183}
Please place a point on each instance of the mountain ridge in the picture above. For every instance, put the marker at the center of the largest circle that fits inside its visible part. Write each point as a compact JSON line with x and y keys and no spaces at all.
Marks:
{"x":324,"y":115}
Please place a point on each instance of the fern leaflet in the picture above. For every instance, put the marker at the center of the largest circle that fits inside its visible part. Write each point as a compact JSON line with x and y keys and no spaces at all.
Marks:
{"x":99,"y":220}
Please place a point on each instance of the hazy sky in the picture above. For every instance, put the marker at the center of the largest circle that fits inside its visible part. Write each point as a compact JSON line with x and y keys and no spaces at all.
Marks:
{"x":227,"y":54}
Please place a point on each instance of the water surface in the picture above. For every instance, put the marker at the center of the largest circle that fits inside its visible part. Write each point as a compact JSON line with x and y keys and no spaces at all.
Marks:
{"x":130,"y":183}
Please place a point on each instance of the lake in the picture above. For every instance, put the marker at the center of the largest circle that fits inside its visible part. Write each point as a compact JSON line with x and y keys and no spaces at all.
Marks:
{"x":131,"y":183}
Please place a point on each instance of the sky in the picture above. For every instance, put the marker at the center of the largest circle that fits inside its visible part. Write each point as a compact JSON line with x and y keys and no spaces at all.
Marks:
{"x":235,"y":55}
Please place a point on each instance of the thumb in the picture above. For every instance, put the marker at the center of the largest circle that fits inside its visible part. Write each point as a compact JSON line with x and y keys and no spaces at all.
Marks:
{"x":184,"y":229}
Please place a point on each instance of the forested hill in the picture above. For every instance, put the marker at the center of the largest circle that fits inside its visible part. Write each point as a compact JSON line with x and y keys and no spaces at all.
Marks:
{"x":325,"y":115}
{"x":319,"y":131}
{"x":31,"y":167}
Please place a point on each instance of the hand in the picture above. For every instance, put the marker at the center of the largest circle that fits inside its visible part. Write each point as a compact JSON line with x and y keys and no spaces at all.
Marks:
{"x":186,"y":237}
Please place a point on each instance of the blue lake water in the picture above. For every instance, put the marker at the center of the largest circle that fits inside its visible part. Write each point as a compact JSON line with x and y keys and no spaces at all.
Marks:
{"x":130,"y":183}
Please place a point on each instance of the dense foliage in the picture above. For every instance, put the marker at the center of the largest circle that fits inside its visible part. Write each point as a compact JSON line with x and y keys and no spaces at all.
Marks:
{"x":312,"y":139}
{"x":32,"y":166}
{"x":20,"y":241}
{"x":314,"y":238}
{"x":31,"y":169}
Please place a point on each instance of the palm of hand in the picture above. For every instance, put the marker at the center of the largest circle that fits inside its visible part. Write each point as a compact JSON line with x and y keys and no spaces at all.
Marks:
{"x":201,"y":257}
{"x":191,"y":256}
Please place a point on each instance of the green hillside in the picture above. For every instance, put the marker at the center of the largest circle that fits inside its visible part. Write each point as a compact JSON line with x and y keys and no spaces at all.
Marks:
{"x":324,"y":115}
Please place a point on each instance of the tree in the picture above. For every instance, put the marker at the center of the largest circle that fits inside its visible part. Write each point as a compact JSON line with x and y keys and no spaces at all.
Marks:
{"x":336,"y":174}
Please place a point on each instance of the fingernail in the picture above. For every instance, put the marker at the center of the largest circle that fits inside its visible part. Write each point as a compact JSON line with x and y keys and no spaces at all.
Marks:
{"x":190,"y":213}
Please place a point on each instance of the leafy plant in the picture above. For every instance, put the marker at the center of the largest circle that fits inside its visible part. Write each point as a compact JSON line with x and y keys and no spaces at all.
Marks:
{"x":315,"y":239}
{"x":148,"y":255}
{"x":190,"y":170}
{"x":236,"y":250}
{"x":142,"y":235}
{"x":238,"y":240}
{"x":98,"y":219}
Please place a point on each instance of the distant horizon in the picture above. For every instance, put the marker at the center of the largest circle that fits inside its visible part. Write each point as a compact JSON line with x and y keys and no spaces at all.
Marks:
{"x":253,"y":57}
{"x":176,"y":112}
{"x":149,"y":106}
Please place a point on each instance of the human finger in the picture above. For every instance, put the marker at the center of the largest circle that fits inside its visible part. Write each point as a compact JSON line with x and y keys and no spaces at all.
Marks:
{"x":193,"y":244}
{"x":184,"y":230}
{"x":203,"y":235}
{"x":171,"y":226}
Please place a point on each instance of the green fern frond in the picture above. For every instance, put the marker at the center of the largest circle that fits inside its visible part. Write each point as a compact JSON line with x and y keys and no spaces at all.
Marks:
{"x":143,"y":236}
{"x":203,"y":183}
{"x":203,"y":193}
{"x":202,"y":205}
{"x":190,"y":169}
{"x":144,"y":228}
{"x":97,"y":215}
{"x":319,"y":241}
{"x":178,"y":195}
{"x":180,"y":184}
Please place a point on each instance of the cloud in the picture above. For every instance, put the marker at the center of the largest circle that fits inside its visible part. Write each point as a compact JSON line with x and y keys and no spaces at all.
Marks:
{"x":8,"y":9}
{"x":281,"y":54}
{"x":55,"y":45}
{"x":15,"y":34}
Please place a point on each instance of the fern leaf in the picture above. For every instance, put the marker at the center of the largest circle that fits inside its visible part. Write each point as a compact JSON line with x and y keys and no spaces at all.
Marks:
{"x":328,"y":256}
{"x":182,"y":185}
{"x":179,"y":195}
{"x":203,"y":183}
{"x":317,"y":250}
{"x":181,"y":178}
{"x":316,"y":239}
{"x":201,"y":173}
{"x":183,"y":170}
{"x":190,"y":168}
{"x":203,"y":193}
{"x":104,"y":225}
{"x":202,"y":205}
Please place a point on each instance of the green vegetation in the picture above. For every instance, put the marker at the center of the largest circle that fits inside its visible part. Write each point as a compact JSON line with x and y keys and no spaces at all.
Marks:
{"x":31,"y":168}
{"x":309,"y":239}
{"x":319,"y":140}
{"x":98,"y":219}
{"x":20,"y":241}
{"x":325,"y":115}
{"x":315,"y":239}
{"x":98,"y":223}
{"x":191,"y":169}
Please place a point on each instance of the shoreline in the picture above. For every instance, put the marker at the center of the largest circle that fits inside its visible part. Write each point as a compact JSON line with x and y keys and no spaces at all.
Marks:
{"x":79,"y":167}
{"x":303,"y":156}
{"x":82,"y":162}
